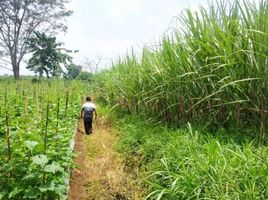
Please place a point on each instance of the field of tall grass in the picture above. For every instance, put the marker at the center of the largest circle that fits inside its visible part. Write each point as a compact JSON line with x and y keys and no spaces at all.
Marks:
{"x":211,"y":70}
{"x":208,"y":82}
{"x":189,"y":163}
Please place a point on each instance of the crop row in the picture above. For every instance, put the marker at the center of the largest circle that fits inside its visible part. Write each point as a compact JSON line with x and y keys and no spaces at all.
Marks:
{"x":37,"y":122}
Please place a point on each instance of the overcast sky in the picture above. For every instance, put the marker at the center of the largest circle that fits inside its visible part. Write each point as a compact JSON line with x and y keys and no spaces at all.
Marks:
{"x":110,"y":28}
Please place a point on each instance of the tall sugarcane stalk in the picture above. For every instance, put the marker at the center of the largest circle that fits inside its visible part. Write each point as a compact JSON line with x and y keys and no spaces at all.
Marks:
{"x":214,"y":66}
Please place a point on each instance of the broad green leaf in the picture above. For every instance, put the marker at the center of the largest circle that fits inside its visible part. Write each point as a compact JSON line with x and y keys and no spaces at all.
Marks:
{"x":14,"y":192}
{"x":30,"y":144}
{"x":29,"y":176}
{"x":1,"y":195}
{"x":47,"y":187}
{"x":31,"y":193}
{"x":53,"y":168}
{"x":40,"y":160}
{"x":60,"y":189}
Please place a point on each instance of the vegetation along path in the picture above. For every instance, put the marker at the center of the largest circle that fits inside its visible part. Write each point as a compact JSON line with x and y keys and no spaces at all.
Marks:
{"x":99,"y":173}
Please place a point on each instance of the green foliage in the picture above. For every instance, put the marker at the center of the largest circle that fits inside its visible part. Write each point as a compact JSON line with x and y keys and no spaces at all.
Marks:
{"x":190,"y":164}
{"x":85,"y":76}
{"x":212,"y":70}
{"x":35,"y":80}
{"x":73,"y":71}
{"x":47,"y":56}
{"x":42,"y":118}
{"x":18,"y":21}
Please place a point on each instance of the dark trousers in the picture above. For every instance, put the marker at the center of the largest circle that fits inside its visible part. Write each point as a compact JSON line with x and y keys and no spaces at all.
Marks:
{"x":88,"y":127}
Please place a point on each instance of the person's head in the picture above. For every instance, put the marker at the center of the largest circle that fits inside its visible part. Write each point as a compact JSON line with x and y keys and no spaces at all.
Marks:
{"x":88,"y":98}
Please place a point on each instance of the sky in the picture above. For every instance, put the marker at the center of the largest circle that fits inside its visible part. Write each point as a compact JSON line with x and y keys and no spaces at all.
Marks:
{"x":106,"y":29}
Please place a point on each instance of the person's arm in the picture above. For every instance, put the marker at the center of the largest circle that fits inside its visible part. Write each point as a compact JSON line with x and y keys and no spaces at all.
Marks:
{"x":95,"y":113}
{"x":81,"y":115}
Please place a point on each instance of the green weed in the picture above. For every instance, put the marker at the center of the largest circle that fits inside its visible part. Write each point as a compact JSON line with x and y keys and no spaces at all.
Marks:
{"x":190,"y":164}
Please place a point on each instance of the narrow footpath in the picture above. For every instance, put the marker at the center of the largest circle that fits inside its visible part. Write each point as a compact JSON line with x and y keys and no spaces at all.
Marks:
{"x":99,"y":172}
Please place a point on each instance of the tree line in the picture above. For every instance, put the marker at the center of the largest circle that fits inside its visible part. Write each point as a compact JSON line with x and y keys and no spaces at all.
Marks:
{"x":23,"y":24}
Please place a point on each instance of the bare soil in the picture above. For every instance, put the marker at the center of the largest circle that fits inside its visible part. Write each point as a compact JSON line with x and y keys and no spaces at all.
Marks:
{"x":99,"y":174}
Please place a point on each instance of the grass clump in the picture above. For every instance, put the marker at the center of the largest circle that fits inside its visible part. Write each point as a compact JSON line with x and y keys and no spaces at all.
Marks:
{"x":190,"y":164}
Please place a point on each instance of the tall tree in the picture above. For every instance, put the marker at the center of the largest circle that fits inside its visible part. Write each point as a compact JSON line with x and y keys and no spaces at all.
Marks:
{"x":47,"y":56}
{"x":20,"y":18}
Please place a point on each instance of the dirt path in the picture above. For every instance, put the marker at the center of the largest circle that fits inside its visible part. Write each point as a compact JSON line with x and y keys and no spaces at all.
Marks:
{"x":99,"y":174}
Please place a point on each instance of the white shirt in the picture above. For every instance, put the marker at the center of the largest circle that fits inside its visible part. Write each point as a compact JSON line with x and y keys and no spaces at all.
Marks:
{"x":89,"y":105}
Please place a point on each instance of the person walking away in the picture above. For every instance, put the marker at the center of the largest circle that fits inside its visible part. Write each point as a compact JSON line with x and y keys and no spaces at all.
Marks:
{"x":88,"y":109}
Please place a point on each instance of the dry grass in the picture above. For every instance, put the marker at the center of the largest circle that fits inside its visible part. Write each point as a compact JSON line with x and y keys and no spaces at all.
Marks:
{"x":100,"y":175}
